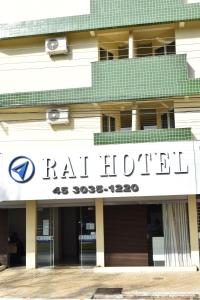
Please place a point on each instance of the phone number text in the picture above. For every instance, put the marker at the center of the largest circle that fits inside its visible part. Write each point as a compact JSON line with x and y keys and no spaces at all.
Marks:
{"x":99,"y":189}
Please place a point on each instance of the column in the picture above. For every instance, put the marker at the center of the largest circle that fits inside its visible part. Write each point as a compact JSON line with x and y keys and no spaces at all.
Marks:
{"x":134,"y":120}
{"x":130,"y":45}
{"x":31,"y":227}
{"x":56,"y":234}
{"x":99,"y":233}
{"x":193,"y":229}
{"x":158,"y":119}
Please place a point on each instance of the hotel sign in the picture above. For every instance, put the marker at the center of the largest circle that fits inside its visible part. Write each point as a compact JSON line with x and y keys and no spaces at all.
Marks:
{"x":130,"y":170}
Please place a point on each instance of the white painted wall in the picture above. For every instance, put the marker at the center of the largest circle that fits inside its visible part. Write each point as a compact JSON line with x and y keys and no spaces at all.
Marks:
{"x":189,"y":119}
{"x":188,"y":115}
{"x":31,"y":128}
{"x":26,"y":10}
{"x":188,"y":42}
{"x":25,"y":66}
{"x":193,"y":1}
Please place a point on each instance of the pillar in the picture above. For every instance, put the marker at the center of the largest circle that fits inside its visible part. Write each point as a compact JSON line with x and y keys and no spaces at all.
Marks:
{"x":158,"y":119}
{"x":130,"y":45}
{"x":193,"y":229}
{"x":31,"y":227}
{"x":134,"y":120}
{"x":56,"y":234}
{"x":99,"y":233}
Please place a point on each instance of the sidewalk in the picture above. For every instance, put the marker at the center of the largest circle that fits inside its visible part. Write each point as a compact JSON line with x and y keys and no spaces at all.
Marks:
{"x":74,"y":283}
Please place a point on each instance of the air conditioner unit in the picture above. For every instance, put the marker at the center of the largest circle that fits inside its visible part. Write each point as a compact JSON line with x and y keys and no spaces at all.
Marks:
{"x":57,"y":116}
{"x":55,"y":46}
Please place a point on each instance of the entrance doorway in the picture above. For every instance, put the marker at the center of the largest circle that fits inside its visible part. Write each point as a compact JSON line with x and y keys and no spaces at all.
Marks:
{"x":69,"y":236}
{"x":66,"y":236}
{"x":16,"y":237}
{"x":132,"y":235}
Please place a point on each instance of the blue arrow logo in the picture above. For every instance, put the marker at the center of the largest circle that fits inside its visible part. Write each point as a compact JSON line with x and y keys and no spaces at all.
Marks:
{"x":21,"y":169}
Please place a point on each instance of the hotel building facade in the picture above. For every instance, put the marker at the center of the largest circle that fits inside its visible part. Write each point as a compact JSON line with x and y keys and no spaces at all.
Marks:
{"x":100,"y":133}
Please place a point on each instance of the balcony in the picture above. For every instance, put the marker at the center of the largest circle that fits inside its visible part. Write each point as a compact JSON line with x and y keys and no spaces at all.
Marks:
{"x":150,"y":77}
{"x":143,"y":136}
{"x":142,"y":78}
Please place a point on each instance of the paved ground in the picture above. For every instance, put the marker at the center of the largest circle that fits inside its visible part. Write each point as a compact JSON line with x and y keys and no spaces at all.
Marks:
{"x":73,"y":283}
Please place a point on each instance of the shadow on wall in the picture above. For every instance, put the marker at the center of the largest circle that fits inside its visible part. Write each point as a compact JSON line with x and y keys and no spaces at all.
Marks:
{"x":191,"y":72}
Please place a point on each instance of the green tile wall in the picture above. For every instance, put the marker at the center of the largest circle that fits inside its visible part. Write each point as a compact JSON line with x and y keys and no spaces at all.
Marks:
{"x":108,"y":14}
{"x":117,"y":80}
{"x":143,"y":136}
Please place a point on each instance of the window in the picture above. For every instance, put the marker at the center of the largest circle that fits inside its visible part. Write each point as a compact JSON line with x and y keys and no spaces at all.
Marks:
{"x":144,"y":50}
{"x":167,"y":119}
{"x":126,"y":120}
{"x":108,"y":123}
{"x":123,"y":52}
{"x":166,"y":49}
{"x":105,"y":54}
{"x":148,"y":119}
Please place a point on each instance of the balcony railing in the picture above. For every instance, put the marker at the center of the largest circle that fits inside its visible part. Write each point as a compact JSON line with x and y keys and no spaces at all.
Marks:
{"x":143,"y":136}
{"x":152,"y":77}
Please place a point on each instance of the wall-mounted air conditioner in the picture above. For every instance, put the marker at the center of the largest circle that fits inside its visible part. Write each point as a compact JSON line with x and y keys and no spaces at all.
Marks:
{"x":56,"y":116}
{"x":55,"y":46}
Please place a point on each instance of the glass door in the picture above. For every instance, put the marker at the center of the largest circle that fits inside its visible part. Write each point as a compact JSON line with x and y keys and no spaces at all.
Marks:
{"x":45,"y":237}
{"x":87,"y":236}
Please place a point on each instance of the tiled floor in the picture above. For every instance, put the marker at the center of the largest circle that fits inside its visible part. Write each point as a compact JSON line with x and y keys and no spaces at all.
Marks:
{"x":74,"y":283}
